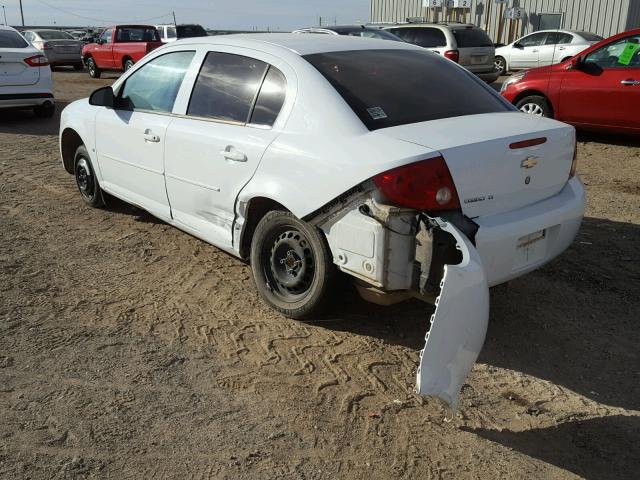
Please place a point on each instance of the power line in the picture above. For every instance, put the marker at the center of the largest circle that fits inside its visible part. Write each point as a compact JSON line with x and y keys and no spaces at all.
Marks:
{"x":101,"y":20}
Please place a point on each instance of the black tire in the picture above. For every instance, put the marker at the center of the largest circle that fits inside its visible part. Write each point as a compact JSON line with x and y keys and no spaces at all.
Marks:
{"x":535,"y":105}
{"x":292,"y":265}
{"x":94,"y":71}
{"x":78,"y":67}
{"x":501,"y":65}
{"x":86,"y":179}
{"x":128,"y":64}
{"x":47,"y":110}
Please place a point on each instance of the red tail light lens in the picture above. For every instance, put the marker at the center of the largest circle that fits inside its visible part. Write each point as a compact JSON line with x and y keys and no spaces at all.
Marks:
{"x":452,"y":55}
{"x":37,"y":61}
{"x":425,"y":185}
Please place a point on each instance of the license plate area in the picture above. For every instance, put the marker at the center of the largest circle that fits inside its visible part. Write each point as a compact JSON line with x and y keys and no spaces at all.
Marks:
{"x":478,"y":59}
{"x":530,"y":249}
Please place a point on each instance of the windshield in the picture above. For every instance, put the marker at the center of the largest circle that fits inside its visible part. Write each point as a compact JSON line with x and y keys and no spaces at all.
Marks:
{"x":188,"y":31}
{"x":11,"y":39}
{"x":54,"y":35}
{"x":393,"y":87}
{"x":472,"y":37}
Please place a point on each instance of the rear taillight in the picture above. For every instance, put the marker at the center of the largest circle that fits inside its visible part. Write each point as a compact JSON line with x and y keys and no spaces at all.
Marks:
{"x":574,"y":163}
{"x":453,"y":55}
{"x":425,"y":185}
{"x":37,"y":61}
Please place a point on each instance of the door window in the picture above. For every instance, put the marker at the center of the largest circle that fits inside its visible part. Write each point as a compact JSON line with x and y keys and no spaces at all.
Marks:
{"x":270,"y":99}
{"x":226,"y":87}
{"x":106,"y":36}
{"x":533,"y":40}
{"x":558,"y":38}
{"x":155,"y":85}
{"x":624,"y":53}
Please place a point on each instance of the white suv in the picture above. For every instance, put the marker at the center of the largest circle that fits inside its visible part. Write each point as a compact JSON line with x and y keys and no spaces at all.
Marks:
{"x":463,"y":43}
{"x":25,"y":75}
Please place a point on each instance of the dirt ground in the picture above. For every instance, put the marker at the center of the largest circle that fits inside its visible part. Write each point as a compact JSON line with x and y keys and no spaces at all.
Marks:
{"x":129,"y":349}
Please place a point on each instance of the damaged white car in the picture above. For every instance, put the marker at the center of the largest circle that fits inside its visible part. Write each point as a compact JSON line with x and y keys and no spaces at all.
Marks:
{"x":311,"y":155}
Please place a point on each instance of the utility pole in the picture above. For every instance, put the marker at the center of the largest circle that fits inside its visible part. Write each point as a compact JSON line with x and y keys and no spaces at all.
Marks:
{"x":5,"y":14}
{"x":21,"y":13}
{"x":174,"y":18}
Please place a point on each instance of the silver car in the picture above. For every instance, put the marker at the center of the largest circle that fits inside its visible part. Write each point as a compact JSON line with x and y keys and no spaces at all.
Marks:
{"x":464,"y":43}
{"x":59,"y":47}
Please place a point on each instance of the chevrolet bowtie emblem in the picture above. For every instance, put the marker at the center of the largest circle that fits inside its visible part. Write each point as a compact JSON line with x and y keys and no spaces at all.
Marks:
{"x":529,"y":162}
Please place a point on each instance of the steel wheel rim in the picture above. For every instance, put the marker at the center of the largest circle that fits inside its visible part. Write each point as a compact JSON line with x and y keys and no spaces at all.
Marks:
{"x":532,"y":109}
{"x":128,"y":65}
{"x":289,"y":264}
{"x":91,"y":67}
{"x":84,"y":178}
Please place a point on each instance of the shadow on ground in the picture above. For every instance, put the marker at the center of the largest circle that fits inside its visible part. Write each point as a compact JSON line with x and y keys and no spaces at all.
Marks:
{"x":24,"y":121}
{"x":597,"y":449}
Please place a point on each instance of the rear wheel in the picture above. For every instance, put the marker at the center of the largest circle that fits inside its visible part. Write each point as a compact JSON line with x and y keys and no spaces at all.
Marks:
{"x":128,"y":64}
{"x":292,"y":266}
{"x":86,"y":179}
{"x":94,"y":71}
{"x":501,"y":65}
{"x":535,"y":105}
{"x":46,"y":110}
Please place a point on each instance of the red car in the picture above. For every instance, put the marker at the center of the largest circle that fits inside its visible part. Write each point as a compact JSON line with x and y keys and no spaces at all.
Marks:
{"x":597,"y":89}
{"x":119,"y":47}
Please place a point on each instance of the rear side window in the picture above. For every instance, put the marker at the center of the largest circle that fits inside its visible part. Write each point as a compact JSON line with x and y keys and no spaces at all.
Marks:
{"x":423,"y":37}
{"x":377,"y":87}
{"x":472,"y":37}
{"x":270,"y":98}
{"x":189,"y":31}
{"x":171,"y":32}
{"x":137,"y":34}
{"x":11,"y":39}
{"x":558,"y":38}
{"x":533,"y":40}
{"x":54,"y":35}
{"x":226,"y":87}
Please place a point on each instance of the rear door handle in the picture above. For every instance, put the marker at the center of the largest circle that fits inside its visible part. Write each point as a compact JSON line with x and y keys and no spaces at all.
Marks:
{"x":230,"y":153}
{"x":150,"y":137}
{"x":630,"y":82}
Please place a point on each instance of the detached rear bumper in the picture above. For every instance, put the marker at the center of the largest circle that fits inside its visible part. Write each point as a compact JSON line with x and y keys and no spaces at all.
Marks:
{"x":517,"y":242}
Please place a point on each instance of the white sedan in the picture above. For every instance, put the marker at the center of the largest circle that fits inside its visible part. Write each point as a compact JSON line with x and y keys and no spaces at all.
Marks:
{"x":25,"y":75}
{"x":539,"y":49}
{"x":312,"y":155}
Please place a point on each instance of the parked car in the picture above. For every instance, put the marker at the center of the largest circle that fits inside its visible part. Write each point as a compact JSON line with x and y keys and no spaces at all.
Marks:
{"x":542,"y":48}
{"x":352,"y":31}
{"x":119,"y":48}
{"x":310,"y":155}
{"x":60,"y":48}
{"x":465,"y":44}
{"x":599,"y":88}
{"x":25,"y":76}
{"x":171,"y":33}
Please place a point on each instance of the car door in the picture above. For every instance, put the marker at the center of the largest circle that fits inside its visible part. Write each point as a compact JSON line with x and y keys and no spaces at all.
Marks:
{"x":130,"y":139}
{"x":215,"y":148}
{"x":605,"y":89}
{"x":525,"y":52}
{"x":103,"y":51}
{"x":555,"y":48}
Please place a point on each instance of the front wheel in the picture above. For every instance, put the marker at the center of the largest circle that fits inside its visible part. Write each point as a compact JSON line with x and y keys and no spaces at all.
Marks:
{"x":128,"y":65}
{"x":501,"y":65}
{"x":94,"y":71}
{"x":86,"y":179}
{"x":292,"y":265}
{"x":535,"y":105}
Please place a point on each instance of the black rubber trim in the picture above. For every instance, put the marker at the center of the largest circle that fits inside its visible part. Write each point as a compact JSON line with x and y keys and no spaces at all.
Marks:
{"x":24,"y":96}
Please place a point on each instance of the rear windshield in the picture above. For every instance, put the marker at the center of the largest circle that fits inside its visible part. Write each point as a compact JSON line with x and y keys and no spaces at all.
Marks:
{"x":54,"y":35}
{"x":393,"y":87}
{"x":11,"y":39}
{"x":137,"y":34}
{"x":590,"y":37}
{"x":188,"y":31}
{"x":472,"y":37}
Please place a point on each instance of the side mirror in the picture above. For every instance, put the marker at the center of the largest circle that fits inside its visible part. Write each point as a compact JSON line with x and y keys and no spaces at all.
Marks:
{"x":103,"y":97}
{"x":576,"y":63}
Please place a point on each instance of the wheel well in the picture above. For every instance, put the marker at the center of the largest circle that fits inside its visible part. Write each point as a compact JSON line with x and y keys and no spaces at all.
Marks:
{"x":256,"y":209}
{"x":69,"y":142}
{"x":124,"y":60}
{"x":529,"y":93}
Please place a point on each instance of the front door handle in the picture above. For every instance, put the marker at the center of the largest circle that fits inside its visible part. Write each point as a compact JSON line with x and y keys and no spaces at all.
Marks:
{"x":150,"y":137}
{"x":630,"y":82}
{"x":230,"y":153}
{"x":535,"y":51}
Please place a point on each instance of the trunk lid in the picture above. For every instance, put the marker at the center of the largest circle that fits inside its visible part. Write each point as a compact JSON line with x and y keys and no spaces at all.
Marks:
{"x":13,"y":69}
{"x":65,"y":46}
{"x":491,"y":177}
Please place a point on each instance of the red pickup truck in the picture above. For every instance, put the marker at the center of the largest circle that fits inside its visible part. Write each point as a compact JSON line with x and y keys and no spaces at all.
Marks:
{"x":119,"y":47}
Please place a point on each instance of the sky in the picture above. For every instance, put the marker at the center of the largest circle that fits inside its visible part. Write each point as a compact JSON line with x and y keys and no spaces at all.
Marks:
{"x":220,"y":14}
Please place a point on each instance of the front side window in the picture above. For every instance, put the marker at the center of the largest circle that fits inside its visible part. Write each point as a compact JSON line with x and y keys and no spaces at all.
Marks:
{"x":376,"y":86}
{"x":534,"y":40}
{"x":11,"y":39}
{"x":270,"y":99}
{"x":226,"y":87}
{"x":106,"y":36}
{"x":624,"y":53}
{"x":155,"y":85}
